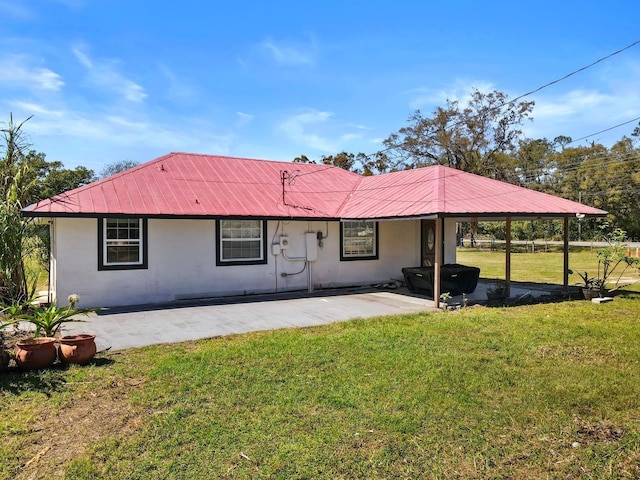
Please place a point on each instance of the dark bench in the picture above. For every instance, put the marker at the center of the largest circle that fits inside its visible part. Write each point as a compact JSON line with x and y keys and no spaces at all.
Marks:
{"x":454,"y":278}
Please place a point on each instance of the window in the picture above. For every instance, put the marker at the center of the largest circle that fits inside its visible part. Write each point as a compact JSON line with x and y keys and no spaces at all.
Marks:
{"x":122,"y":243}
{"x":359,"y":240}
{"x":241,"y":242}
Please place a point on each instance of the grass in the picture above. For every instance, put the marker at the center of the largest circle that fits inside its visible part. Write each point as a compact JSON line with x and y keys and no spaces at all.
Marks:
{"x":540,"y":391}
{"x":542,"y":267}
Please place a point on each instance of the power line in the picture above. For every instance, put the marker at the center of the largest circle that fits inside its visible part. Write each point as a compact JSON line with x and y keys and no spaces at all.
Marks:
{"x":578,"y":70}
{"x":553,"y":82}
{"x":605,"y":130}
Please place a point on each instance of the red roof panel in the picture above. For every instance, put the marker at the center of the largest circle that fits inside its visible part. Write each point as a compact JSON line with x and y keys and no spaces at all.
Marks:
{"x":192,"y":185}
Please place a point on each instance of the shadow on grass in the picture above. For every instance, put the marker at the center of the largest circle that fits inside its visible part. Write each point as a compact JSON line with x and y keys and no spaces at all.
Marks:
{"x":46,"y":381}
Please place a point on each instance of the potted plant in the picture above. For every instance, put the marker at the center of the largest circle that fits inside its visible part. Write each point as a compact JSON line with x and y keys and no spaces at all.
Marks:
{"x":35,"y":353}
{"x":78,"y":349}
{"x":613,"y":263}
{"x":496,"y":293}
{"x":47,"y":322}
{"x":592,"y":287}
{"x":444,"y":299}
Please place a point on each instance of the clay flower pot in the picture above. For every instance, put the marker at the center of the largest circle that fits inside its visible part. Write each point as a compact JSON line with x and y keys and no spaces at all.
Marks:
{"x":36,"y":353}
{"x":78,"y":349}
{"x":4,"y":359}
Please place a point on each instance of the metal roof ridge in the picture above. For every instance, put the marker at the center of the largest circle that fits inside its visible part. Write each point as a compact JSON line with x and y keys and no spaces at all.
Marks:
{"x":347,"y":197}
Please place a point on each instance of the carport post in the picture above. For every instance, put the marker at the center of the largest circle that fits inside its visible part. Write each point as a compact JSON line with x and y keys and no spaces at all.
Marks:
{"x":507,"y":260}
{"x":565,"y":285}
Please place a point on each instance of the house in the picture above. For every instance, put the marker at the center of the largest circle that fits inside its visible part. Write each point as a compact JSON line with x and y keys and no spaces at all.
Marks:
{"x":192,"y":226}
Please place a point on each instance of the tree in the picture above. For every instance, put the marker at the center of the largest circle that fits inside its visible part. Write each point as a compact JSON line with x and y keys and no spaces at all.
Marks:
{"x":51,"y":178}
{"x":15,"y":286}
{"x":117,"y":167}
{"x":531,"y":162}
{"x":359,"y":163}
{"x":477,"y":138}
{"x":26,"y":177}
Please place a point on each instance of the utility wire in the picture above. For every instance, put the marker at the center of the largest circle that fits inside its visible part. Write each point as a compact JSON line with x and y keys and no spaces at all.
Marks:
{"x":553,"y":82}
{"x":605,"y":130}
{"x":576,"y":71}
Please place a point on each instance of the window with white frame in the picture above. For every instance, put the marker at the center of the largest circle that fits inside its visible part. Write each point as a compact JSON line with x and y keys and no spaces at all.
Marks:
{"x":241,"y":242}
{"x":359,"y":240}
{"x":122,"y":243}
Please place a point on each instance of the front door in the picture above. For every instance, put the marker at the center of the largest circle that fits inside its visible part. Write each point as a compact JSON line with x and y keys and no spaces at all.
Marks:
{"x":428,"y":242}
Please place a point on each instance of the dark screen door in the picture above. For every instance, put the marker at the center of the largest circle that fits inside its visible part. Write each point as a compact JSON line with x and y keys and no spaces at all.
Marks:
{"x":428,"y":236}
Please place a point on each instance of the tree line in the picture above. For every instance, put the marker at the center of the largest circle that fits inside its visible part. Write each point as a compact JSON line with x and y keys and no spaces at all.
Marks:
{"x":485,"y":137}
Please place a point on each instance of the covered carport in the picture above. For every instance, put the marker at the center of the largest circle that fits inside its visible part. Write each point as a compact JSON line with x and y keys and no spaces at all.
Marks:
{"x":440,"y":194}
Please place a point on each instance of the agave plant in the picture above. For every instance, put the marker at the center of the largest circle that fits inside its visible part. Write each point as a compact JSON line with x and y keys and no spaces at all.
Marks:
{"x":47,"y":321}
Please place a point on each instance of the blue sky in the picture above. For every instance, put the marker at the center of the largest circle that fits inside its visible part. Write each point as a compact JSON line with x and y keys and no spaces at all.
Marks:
{"x":110,"y":80}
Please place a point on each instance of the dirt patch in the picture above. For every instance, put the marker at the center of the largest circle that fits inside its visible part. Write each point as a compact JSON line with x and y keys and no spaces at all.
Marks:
{"x":596,"y":432}
{"x":574,"y":353}
{"x":84,"y":420}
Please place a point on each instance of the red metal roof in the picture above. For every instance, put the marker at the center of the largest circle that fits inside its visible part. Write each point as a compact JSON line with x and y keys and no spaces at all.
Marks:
{"x":191,"y":185}
{"x":440,"y":190}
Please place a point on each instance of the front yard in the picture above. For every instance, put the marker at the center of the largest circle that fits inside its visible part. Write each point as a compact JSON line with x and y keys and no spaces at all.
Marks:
{"x":543,"y":391}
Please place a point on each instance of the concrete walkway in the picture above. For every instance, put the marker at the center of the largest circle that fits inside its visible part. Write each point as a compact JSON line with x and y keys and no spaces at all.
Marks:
{"x":149,"y":325}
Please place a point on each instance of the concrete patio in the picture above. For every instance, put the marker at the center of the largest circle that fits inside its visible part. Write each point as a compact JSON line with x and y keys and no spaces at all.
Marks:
{"x":139,"y":326}
{"x":121,"y":328}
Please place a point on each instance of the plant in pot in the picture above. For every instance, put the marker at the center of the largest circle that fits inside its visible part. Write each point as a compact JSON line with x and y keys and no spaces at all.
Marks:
{"x":444,"y":299}
{"x":47,"y":322}
{"x":497,"y":292}
{"x":592,"y":287}
{"x":613,"y":263}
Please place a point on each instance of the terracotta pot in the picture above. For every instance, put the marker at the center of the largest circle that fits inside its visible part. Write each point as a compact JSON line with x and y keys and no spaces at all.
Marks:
{"x":36,"y":353}
{"x":78,"y":349}
{"x":590,"y":293}
{"x":4,"y":359}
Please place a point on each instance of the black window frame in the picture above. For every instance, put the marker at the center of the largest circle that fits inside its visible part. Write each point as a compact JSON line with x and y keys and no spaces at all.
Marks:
{"x":144,"y":244}
{"x":220,"y":262}
{"x":376,"y":241}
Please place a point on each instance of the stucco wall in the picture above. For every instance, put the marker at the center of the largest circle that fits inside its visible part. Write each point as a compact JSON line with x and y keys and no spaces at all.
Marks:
{"x":181,"y":262}
{"x":449,"y":240}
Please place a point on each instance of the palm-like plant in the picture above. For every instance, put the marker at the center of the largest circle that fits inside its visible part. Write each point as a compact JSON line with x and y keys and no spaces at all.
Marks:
{"x":47,"y":321}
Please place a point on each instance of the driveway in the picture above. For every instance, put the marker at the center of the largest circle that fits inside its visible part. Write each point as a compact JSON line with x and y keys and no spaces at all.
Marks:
{"x":121,"y":328}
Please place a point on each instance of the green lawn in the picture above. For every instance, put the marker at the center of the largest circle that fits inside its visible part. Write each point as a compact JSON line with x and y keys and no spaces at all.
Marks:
{"x":541,"y":267}
{"x":540,"y":391}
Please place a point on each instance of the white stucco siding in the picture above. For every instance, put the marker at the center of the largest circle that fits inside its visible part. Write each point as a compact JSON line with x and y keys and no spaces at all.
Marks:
{"x":449,"y":240}
{"x":182,"y":262}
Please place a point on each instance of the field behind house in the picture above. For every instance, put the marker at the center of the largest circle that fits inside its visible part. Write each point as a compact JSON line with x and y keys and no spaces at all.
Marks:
{"x":543,"y":266}
{"x":540,"y":391}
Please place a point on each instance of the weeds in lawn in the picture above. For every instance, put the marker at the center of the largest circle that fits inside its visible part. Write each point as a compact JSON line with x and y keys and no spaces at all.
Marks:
{"x":526,"y":392}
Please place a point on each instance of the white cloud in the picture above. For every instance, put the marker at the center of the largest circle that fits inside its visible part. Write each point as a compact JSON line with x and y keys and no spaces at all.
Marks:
{"x":15,"y":10}
{"x":581,"y":112}
{"x":97,"y":135}
{"x":459,"y":91}
{"x":179,"y":90}
{"x":243,"y":118}
{"x":17,"y":70}
{"x":105,"y":74}
{"x":348,"y":137}
{"x":289,"y":55}
{"x":297,"y":128}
